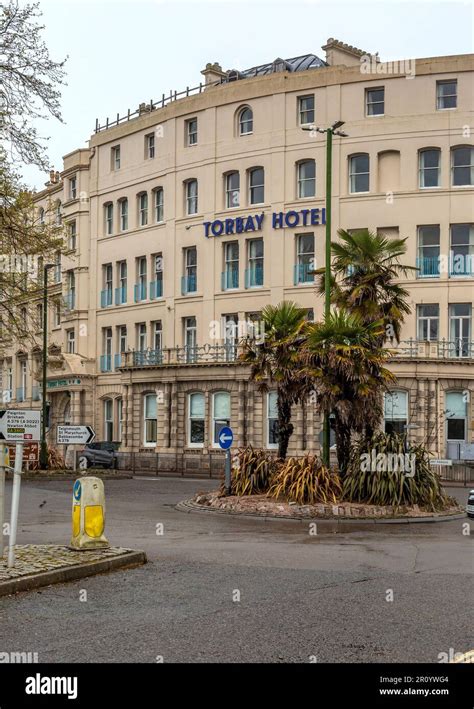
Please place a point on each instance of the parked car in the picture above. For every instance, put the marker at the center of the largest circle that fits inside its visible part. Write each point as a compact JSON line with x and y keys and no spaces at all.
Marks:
{"x":470,"y":504}
{"x":99,"y":454}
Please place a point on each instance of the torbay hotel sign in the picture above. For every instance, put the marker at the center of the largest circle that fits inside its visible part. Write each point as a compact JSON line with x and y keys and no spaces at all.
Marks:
{"x":280,"y":220}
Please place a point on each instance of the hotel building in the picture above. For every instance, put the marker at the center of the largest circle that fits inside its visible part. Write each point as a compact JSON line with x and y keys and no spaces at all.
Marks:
{"x":185,"y":217}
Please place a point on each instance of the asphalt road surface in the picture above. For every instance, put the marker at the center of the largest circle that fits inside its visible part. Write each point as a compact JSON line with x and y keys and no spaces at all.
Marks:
{"x":221,"y":588}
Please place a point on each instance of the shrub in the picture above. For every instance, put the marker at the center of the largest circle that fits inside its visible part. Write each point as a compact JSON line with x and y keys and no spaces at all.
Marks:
{"x":252,"y":471}
{"x":393,"y":487}
{"x":305,"y":481}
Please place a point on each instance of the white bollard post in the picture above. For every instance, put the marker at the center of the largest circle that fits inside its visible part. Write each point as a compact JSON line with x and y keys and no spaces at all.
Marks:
{"x":15,"y":503}
{"x":2,"y":495}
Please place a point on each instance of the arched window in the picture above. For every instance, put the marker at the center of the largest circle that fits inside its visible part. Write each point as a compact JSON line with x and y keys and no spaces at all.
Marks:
{"x":196,"y":406}
{"x":41,"y":215}
{"x":306,"y":179}
{"x":220,"y":414}
{"x":396,"y":412}
{"x":150,"y":420}
{"x":245,"y":121}
{"x":462,"y":166}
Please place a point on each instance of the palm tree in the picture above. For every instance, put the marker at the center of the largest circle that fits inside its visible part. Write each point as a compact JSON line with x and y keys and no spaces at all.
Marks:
{"x":345,"y":360}
{"x":276,"y":359}
{"x":366,"y":268}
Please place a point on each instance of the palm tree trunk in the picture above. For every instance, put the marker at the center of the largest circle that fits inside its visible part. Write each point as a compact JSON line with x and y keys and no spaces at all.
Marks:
{"x":285,"y":427}
{"x":343,"y":444}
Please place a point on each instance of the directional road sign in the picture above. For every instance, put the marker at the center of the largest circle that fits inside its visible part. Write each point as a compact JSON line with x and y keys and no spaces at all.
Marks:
{"x":20,"y":425}
{"x":75,"y":434}
{"x":225,"y":437}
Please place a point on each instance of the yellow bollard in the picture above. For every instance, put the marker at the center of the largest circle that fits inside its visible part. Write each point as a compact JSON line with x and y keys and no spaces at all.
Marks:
{"x":88,"y":514}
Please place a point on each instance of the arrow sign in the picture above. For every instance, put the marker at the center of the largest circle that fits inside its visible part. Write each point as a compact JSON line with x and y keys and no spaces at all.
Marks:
{"x":20,"y":425}
{"x":75,"y":435}
{"x":225,"y":437}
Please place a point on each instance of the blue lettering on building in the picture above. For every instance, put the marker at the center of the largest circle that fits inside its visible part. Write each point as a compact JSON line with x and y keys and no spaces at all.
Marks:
{"x":280,"y":220}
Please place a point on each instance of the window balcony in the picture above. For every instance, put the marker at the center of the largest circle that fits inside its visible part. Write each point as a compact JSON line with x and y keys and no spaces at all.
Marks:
{"x":156,"y":289}
{"x":118,"y":360}
{"x":254,"y":276}
{"x":105,"y":363}
{"x":186,"y":355}
{"x":230,"y":279}
{"x":188,"y":284}
{"x":428,"y":266}
{"x":303,"y":273}
{"x":143,"y":358}
{"x":139,"y":292}
{"x":461,"y":348}
{"x":36,"y":393}
{"x":20,"y":394}
{"x":70,"y":300}
{"x":120,"y":295}
{"x":461,"y":265}
{"x":106,"y":298}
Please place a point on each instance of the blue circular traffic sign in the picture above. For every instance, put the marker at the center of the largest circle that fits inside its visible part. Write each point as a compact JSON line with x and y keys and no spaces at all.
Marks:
{"x":225,"y":437}
{"x":77,"y":490}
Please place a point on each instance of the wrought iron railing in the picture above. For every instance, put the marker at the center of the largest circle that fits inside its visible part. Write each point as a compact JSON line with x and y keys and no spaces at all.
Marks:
{"x":205,"y":354}
{"x":461,"y":348}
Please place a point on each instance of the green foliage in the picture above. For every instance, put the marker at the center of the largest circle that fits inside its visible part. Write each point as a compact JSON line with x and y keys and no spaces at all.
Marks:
{"x":395,"y":488}
{"x":305,"y":481}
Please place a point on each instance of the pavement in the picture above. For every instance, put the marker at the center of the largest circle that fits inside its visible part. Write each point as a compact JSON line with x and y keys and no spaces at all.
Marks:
{"x":222,"y":588}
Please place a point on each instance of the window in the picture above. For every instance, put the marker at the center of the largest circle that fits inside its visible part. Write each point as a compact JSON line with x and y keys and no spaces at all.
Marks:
{"x":115,"y":157}
{"x":190,"y":270}
{"x":57,"y":267}
{"x":456,"y":418}
{"x":159,"y":204}
{"x":57,"y":314}
{"x":220,"y":414}
{"x":150,"y":419}
{"x":39,"y":316}
{"x":119,"y":418}
{"x":306,"y":109}
{"x":122,"y":338}
{"x":429,"y":167}
{"x":460,"y":329}
{"x":72,"y":235}
{"x":156,"y":286}
{"x":123,"y":210}
{"x":305,"y":264}
{"x":462,"y":250}
{"x":73,"y":187}
{"x":272,"y":419}
{"x":58,"y":217}
{"x":109,"y":218}
{"x":255,"y":263}
{"x":71,"y":290}
{"x":191,"y":197}
{"x":157,"y":336}
{"x":428,"y":322}
{"x":462,"y":166}
{"x":106,"y":359}
{"x":375,"y":99}
{"x":396,"y":412}
{"x":446,"y":94}
{"x":257,"y":185}
{"x":306,"y":179}
{"x":108,"y":420}
{"x":143,"y":209}
{"x":141,"y":284}
{"x":141,"y":337}
{"x":232,"y":190}
{"x":106,"y":295}
{"x":150,"y":145}
{"x":196,"y":419}
{"x":359,"y":173}
{"x":122,"y":277}
{"x":70,"y":341}
{"x":192,"y":131}
{"x":230,"y":276}
{"x":41,"y":216}
{"x":245,"y":121}
{"x":231,"y":332}
{"x":428,"y":260}
{"x":190,"y":338}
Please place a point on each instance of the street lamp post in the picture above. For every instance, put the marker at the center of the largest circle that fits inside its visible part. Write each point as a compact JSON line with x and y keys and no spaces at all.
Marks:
{"x":332,"y":130}
{"x":44,"y":449}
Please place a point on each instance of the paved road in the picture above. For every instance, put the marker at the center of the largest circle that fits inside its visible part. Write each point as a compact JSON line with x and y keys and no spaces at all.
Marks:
{"x":230,"y":589}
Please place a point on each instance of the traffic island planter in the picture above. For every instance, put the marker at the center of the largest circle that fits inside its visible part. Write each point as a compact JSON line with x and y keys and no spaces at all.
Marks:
{"x":262,"y":506}
{"x":40,"y":565}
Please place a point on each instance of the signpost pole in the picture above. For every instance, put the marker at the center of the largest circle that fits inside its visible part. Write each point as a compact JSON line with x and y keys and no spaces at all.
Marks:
{"x":15,"y":503}
{"x":227,"y":472}
{"x":2,"y":494}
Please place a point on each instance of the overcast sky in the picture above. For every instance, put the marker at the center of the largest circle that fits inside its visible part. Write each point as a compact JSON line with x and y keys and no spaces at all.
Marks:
{"x":124,"y":52}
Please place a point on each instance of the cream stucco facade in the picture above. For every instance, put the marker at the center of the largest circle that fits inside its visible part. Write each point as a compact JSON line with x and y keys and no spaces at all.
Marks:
{"x":164,"y":251}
